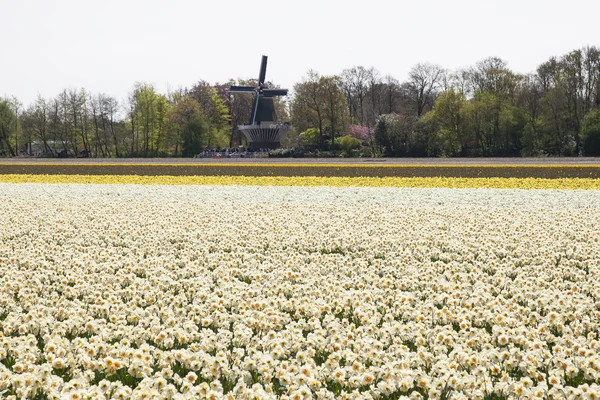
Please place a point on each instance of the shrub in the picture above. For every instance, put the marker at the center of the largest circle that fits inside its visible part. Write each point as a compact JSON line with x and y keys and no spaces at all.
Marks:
{"x":310,"y":136}
{"x":348,"y":144}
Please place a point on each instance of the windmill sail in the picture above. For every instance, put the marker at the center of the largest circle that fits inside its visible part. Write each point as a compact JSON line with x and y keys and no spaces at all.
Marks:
{"x":241,"y":89}
{"x":263,"y":71}
{"x":274,"y":92}
{"x":254,"y":111}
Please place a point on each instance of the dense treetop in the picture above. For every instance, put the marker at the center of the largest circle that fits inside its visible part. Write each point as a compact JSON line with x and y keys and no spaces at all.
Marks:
{"x":484,"y":110}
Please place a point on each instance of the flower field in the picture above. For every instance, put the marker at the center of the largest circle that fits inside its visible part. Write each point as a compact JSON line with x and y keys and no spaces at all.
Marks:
{"x":176,"y":291}
{"x":311,"y":181}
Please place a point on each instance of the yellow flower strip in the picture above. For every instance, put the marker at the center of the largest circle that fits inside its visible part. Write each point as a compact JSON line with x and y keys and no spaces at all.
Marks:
{"x":440,"y":182}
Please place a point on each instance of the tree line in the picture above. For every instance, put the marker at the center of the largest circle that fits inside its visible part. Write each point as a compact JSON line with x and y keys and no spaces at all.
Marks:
{"x":77,"y":123}
{"x":483,"y":110}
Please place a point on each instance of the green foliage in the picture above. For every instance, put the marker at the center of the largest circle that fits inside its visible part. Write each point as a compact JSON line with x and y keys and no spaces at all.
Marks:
{"x":291,"y":139}
{"x":557,"y":138}
{"x":221,"y":112}
{"x":194,"y":136}
{"x":217,"y":138}
{"x":286,"y":152}
{"x":591,"y":133}
{"x":160,"y":133}
{"x":148,"y":121}
{"x":320,"y":104}
{"x":310,"y":136}
{"x":185,"y":120}
{"x":348,"y":144}
{"x":212,"y":104}
{"x":483,"y":110}
{"x":381,"y":132}
{"x":529,"y":142}
{"x":448,"y":116}
{"x":493,"y":126}
{"x":8,"y":121}
{"x":395,"y":134}
{"x":426,"y":129}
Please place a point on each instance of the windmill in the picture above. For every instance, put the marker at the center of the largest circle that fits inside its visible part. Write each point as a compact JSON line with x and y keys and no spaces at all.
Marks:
{"x":263,"y":130}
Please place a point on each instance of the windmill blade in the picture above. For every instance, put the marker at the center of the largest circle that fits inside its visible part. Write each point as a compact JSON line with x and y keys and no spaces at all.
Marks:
{"x":241,"y":89}
{"x":263,"y":71}
{"x":254,"y":109}
{"x":274,"y":92}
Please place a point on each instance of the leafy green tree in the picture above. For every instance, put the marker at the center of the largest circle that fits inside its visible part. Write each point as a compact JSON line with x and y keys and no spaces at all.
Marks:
{"x":217,"y":138}
{"x":292,"y":139}
{"x":8,"y":120}
{"x":336,"y":110}
{"x":221,"y":116}
{"x":161,"y":127}
{"x":219,"y":122}
{"x":381,"y":134}
{"x":319,"y":103}
{"x":448,"y":117}
{"x":557,"y":135}
{"x":308,"y":107}
{"x":148,"y":118}
{"x":184,"y":118}
{"x":529,"y":141}
{"x":529,"y":102}
{"x":494,"y":123}
{"x":591,"y":133}
{"x":426,"y":130}
{"x":486,"y":110}
{"x":146,"y":99}
{"x":482,"y":119}
{"x":193,"y":136}
{"x":570,"y":87}
{"x":492,"y":75}
{"x":213,"y":105}
{"x":395,"y":135}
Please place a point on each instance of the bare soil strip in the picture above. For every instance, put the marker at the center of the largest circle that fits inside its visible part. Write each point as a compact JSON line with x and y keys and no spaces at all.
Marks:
{"x":551,"y":171}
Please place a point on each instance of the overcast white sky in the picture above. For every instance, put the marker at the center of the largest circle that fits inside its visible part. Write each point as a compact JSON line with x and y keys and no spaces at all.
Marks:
{"x":107,"y":45}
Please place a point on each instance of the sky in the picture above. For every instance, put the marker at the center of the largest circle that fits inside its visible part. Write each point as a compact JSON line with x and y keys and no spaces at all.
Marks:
{"x":105,"y":46}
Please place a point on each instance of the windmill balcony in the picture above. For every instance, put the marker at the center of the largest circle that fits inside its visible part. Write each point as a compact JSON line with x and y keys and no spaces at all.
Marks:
{"x":265,"y":135}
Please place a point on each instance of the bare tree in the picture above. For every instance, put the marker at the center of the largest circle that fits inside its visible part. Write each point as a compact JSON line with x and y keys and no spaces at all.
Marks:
{"x":425,"y":80}
{"x":375,"y":96}
{"x":34,"y":124}
{"x":390,"y":93}
{"x":335,"y":107}
{"x":492,"y":75}
{"x":354,"y":84}
{"x":308,"y":106}
{"x":111,"y":107}
{"x":132,"y":111}
{"x":591,"y":67}
{"x":96,"y":104}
